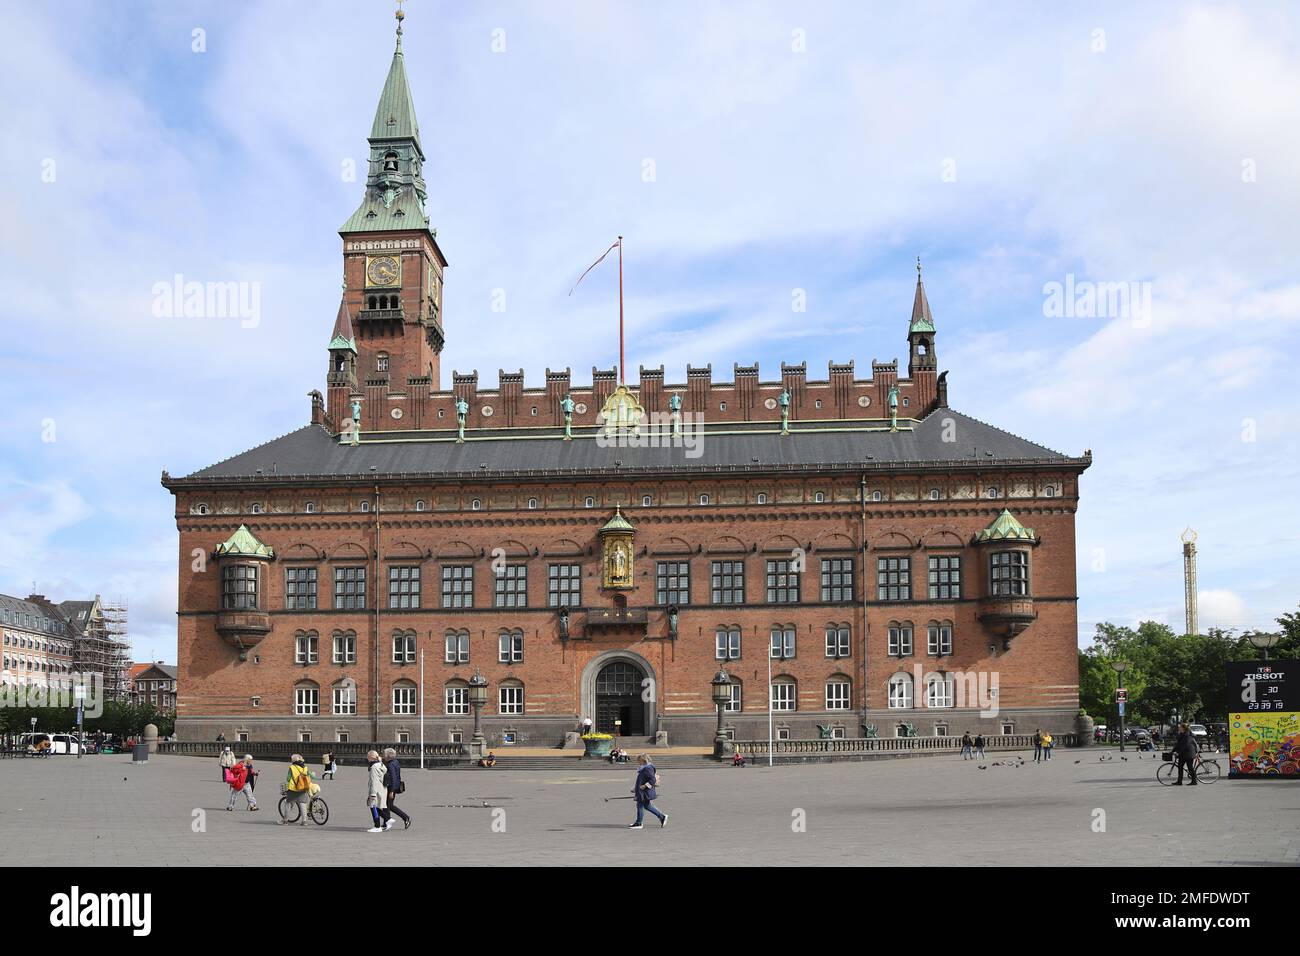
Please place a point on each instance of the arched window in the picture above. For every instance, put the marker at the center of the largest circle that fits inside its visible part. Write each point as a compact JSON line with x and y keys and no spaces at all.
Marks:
{"x":877,"y":496}
{"x":310,"y":508}
{"x":900,"y":638}
{"x":476,"y":505}
{"x":510,"y":646}
{"x":900,"y":691}
{"x":939,"y":691}
{"x":201,"y":509}
{"x":532,"y":504}
{"x":404,"y":699}
{"x":704,"y":499}
{"x":306,"y":699}
{"x":934,"y":494}
{"x":306,"y":647}
{"x":589,"y":502}
{"x":365,"y":505}
{"x":456,"y":698}
{"x":645,"y":501}
{"x":939,"y":638}
{"x":785,"y":694}
{"x":735,"y":704}
{"x":762,"y":497}
{"x":419,"y":505}
{"x":457,"y":647}
{"x":345,"y":647}
{"x":381,"y":362}
{"x":839,"y":692}
{"x":404,"y":647}
{"x":345,"y":698}
{"x":256,"y":509}
{"x":819,"y":497}
{"x":373,"y":303}
{"x":510,"y":698}
{"x":992,"y":492}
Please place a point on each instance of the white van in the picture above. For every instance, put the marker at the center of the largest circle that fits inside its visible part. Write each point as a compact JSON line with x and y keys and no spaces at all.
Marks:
{"x":59,"y":743}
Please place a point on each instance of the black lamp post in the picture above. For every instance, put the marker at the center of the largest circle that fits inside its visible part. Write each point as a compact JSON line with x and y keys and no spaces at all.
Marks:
{"x":1262,"y":642}
{"x":721,"y":684}
{"x":477,"y":698}
{"x":1119,"y":666}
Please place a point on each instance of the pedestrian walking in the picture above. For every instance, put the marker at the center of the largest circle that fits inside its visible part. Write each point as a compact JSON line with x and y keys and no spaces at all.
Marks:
{"x":1185,"y":753}
{"x":331,"y":766}
{"x":376,"y":793}
{"x":979,"y":746}
{"x":1038,"y":745}
{"x":966,"y":744}
{"x":225,"y":762}
{"x":241,"y":781}
{"x":297,"y":787}
{"x":646,"y":791}
{"x":394,"y":784}
{"x":1048,"y":744}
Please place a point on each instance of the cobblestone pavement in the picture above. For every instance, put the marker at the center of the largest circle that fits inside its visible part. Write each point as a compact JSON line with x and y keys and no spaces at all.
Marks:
{"x":104,"y":811}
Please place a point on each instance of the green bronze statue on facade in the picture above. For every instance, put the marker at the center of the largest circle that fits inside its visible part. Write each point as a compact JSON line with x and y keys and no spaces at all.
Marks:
{"x":784,"y":402}
{"x":567,"y":405}
{"x":462,"y":409}
{"x":675,"y":410}
{"x":870,"y":731}
{"x":893,"y":408}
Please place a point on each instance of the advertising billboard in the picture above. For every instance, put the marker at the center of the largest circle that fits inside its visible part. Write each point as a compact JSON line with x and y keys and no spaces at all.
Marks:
{"x":1264,"y":719}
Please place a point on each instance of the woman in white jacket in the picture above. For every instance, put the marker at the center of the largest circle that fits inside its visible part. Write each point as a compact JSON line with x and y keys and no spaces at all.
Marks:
{"x":377,"y":793}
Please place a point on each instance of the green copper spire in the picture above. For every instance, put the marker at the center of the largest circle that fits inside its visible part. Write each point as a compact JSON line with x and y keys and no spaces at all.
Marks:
{"x":922,"y":321}
{"x":395,"y":189}
{"x":395,"y":115}
{"x":1006,"y":528}
{"x":343,"y":337}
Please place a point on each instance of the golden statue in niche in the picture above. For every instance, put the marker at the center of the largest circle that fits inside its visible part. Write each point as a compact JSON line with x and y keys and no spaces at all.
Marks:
{"x":616,"y":552}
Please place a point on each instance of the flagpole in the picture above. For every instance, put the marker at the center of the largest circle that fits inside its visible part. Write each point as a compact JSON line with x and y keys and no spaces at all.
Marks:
{"x":422,"y":708}
{"x":622,"y":361}
{"x":769,"y":705}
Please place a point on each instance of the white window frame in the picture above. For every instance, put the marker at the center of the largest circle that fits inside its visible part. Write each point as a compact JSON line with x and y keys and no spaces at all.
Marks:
{"x":902,"y":640}
{"x":306,"y":700}
{"x":839,"y":695}
{"x":345,"y":699}
{"x":459,"y":652}
{"x":785,"y":696}
{"x":510,"y":700}
{"x":901,"y":692}
{"x":404,"y":700}
{"x":455,"y":700}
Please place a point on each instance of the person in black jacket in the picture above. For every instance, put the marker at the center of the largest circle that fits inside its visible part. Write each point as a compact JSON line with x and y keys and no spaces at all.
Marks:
{"x":645,"y":792}
{"x":1185,"y":752}
{"x":393,"y":781}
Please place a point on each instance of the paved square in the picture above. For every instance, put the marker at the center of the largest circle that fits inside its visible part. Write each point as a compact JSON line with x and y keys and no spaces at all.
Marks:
{"x":104,"y":811}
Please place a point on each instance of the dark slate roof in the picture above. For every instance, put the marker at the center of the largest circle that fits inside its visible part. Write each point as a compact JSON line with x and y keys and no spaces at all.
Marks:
{"x":78,"y":612}
{"x":313,"y":453}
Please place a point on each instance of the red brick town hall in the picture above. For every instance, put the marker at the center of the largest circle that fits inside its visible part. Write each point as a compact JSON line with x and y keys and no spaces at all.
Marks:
{"x":615,"y":551}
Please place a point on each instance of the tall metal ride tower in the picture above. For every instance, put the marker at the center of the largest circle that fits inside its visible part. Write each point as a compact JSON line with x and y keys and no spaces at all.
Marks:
{"x":1189,"y":579}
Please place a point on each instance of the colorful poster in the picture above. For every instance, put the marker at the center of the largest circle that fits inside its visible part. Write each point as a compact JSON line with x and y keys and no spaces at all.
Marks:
{"x":1263,"y":720}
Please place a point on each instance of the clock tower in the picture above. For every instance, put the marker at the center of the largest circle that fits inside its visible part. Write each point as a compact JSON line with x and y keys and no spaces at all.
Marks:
{"x":392,"y":266}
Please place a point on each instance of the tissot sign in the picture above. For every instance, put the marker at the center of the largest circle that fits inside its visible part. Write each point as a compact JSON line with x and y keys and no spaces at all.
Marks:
{"x":1264,"y":719}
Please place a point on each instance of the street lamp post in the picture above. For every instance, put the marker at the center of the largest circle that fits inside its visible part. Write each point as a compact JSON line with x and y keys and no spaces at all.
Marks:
{"x":477,"y":698}
{"x":1262,"y":642}
{"x":721,"y":684}
{"x":1119,"y":667}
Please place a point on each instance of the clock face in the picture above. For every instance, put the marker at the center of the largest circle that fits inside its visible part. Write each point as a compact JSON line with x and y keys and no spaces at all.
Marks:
{"x":382,"y":271}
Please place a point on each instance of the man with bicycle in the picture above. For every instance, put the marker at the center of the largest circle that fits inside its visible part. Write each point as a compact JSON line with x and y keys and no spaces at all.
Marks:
{"x":297,"y":784}
{"x":1185,"y":754}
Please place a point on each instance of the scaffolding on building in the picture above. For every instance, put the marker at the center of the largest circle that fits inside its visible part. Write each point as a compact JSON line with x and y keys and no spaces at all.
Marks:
{"x":104,"y":648}
{"x":1192,"y":623}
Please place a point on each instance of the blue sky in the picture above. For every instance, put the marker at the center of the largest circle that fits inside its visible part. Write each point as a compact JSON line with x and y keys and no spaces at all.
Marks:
{"x":818,"y":147}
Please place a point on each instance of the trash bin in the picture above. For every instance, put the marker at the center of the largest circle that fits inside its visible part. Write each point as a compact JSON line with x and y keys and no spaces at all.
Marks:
{"x":140,"y":753}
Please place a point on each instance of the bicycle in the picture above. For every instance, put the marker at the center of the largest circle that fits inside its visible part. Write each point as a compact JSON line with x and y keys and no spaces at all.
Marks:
{"x":1207,"y":771}
{"x":318,"y":810}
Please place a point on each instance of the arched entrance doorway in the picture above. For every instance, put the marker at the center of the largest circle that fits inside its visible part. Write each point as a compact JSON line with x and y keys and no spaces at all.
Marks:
{"x":620,"y":709}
